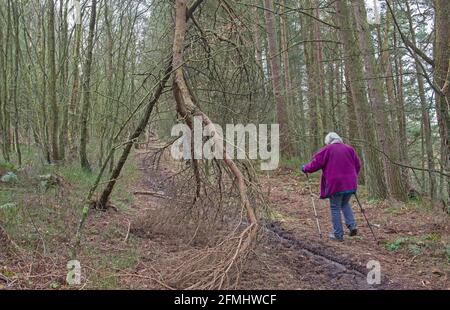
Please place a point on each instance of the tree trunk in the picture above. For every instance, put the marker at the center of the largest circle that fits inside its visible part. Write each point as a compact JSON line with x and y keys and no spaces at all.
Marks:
{"x":63,"y":64}
{"x":399,"y":111}
{"x":330,"y":76}
{"x":43,"y":77}
{"x":425,"y":115}
{"x":6,"y":59}
{"x":353,"y":63}
{"x":395,"y":102}
{"x":87,"y":90}
{"x":320,"y":73}
{"x":282,"y":118}
{"x":52,"y":78}
{"x":285,"y":55}
{"x":441,"y":79}
{"x":257,"y":38}
{"x":303,"y":141}
{"x":1,"y":88}
{"x":314,"y":141}
{"x":15,"y":75}
{"x":187,"y":108}
{"x":376,"y":94}
{"x":104,"y":198}
{"x":342,"y":118}
{"x":109,"y":111}
{"x":3,"y":95}
{"x":74,"y":98}
{"x":352,"y":123}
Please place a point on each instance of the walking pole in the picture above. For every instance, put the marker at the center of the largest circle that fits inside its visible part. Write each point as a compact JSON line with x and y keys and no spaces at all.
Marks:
{"x":364,"y":214}
{"x":314,"y":207}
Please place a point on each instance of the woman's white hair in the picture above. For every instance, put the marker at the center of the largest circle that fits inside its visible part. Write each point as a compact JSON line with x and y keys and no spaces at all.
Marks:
{"x":332,"y":138}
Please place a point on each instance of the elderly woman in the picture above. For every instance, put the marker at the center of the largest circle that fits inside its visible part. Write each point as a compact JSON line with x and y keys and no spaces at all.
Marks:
{"x":340,"y":166}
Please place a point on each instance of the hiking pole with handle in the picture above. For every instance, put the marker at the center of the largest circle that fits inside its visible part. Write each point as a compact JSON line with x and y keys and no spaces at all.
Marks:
{"x":364,"y":214}
{"x":314,"y":206}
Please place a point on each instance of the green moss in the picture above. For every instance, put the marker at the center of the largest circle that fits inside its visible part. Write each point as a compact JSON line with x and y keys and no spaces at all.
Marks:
{"x":415,"y":244}
{"x":122,"y":259}
{"x":395,"y":245}
{"x":5,"y":196}
{"x":415,"y":249}
{"x":104,"y":282}
{"x":435,"y":237}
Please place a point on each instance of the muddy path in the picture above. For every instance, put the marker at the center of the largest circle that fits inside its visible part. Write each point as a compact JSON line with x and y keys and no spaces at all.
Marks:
{"x":283,"y":259}
{"x":401,"y":266}
{"x":342,"y":273}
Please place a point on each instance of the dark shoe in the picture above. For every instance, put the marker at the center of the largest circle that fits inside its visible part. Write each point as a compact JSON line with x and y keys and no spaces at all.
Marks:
{"x":353,"y":232}
{"x":334,"y":238}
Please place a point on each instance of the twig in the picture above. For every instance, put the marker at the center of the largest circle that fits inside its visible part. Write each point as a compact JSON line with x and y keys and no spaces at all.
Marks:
{"x":41,"y":237}
{"x":400,"y":164}
{"x":150,"y":193}
{"x":410,"y":45}
{"x":128,"y":232}
{"x":4,"y":278}
{"x":147,"y":277}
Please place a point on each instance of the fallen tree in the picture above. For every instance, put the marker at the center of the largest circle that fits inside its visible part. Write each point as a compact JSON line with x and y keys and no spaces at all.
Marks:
{"x":217,"y":262}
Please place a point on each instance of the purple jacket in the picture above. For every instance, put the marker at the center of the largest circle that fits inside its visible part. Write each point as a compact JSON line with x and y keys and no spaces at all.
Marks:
{"x":340,"y":167}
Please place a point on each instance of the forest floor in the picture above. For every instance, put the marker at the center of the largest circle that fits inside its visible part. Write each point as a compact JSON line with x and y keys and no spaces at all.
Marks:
{"x":134,"y":246}
{"x":413,"y":247}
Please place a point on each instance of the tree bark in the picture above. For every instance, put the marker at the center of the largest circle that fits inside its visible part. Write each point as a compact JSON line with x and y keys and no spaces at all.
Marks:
{"x":353,"y":63}
{"x":285,"y":54}
{"x":44,"y":97}
{"x":63,"y":65}
{"x":3,"y":95}
{"x":352,"y":123}
{"x":5,"y":111}
{"x":87,"y":90}
{"x":376,"y":94}
{"x":2,"y":79}
{"x":280,"y":103}
{"x":320,"y":72}
{"x":441,"y":78}
{"x":74,"y":98}
{"x":425,"y":114}
{"x":52,"y":78}
{"x":15,"y":75}
{"x":313,"y":104}
{"x":257,"y":38}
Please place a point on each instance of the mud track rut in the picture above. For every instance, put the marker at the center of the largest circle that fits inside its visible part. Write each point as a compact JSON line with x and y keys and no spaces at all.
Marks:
{"x":346,"y":274}
{"x":306,"y":256}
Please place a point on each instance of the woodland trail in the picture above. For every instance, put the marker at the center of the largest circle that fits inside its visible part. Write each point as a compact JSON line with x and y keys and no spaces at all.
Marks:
{"x":290,"y":197}
{"x":289,"y":254}
{"x":86,"y":84}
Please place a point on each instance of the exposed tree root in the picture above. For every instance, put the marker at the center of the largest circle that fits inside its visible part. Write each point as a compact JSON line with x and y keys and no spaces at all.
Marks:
{"x":216,"y":267}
